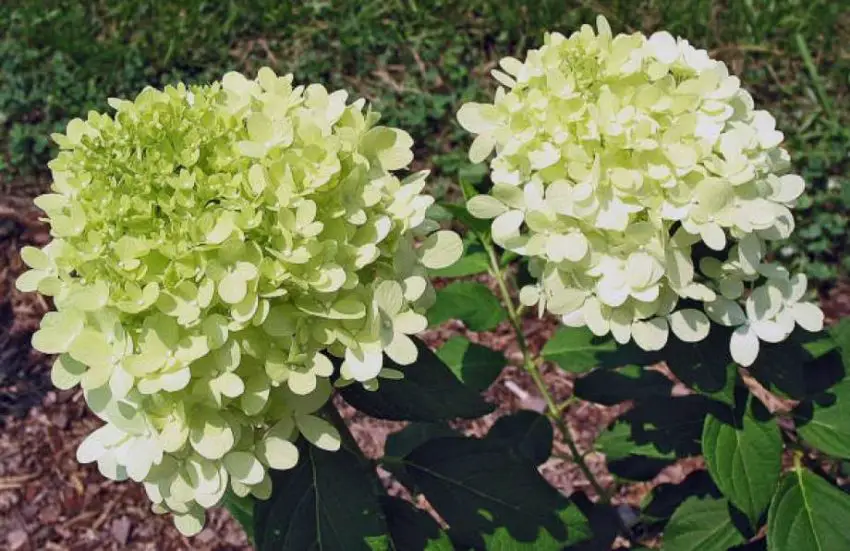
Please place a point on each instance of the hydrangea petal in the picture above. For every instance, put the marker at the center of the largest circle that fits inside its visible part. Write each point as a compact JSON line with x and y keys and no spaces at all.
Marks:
{"x":318,"y":432}
{"x":744,"y":345}
{"x":689,"y":325}
{"x":651,"y":334}
{"x":808,"y":316}
{"x":441,"y":250}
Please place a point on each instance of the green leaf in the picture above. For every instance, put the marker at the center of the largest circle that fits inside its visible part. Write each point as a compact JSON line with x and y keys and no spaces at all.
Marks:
{"x":492,"y":498}
{"x":823,"y":342}
{"x":744,"y":461}
{"x":328,"y":502}
{"x":612,"y":386}
{"x":412,"y":529}
{"x":577,"y":350}
{"x":755,"y":545}
{"x":474,"y":261}
{"x":428,"y":392}
{"x":638,"y":468}
{"x":798,"y":368}
{"x":705,"y":366}
{"x":616,"y":443}
{"x":470,"y":302}
{"x":825,"y":421}
{"x":471,"y":175}
{"x":604,"y":523}
{"x":459,"y":212}
{"x":702,"y":524}
{"x":662,"y":427}
{"x":840,"y":334}
{"x":477,"y":366}
{"x":402,"y":442}
{"x":808,"y":513}
{"x":660,"y":504}
{"x":526,"y":432}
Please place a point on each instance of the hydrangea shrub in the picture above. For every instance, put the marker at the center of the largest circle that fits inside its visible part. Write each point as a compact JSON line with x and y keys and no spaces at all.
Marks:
{"x":213,"y":248}
{"x":225,"y":258}
{"x":617,"y":159}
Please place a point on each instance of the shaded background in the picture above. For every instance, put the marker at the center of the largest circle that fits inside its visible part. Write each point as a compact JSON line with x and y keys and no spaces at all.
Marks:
{"x":417,"y":61}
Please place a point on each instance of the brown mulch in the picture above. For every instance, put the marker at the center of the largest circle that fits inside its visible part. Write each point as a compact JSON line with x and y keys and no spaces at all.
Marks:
{"x":49,"y":501}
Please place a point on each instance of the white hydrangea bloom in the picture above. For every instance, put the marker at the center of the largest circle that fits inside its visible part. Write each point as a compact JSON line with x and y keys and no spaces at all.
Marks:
{"x":616,"y":156}
{"x":212,"y":249}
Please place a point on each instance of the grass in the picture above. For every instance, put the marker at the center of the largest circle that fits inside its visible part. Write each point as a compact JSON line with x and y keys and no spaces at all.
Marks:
{"x":417,"y":61}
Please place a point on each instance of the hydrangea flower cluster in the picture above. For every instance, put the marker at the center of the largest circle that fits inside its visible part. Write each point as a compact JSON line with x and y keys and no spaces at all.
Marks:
{"x":616,"y":156}
{"x":212,"y":248}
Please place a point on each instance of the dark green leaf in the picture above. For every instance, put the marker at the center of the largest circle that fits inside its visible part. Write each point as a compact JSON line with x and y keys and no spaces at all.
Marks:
{"x":702,"y":524}
{"x":612,"y":386}
{"x":429,"y":392}
{"x":604,"y":524}
{"x":470,"y":302}
{"x":798,"y":368}
{"x":706,"y":366}
{"x":824,"y":422}
{"x":664,"y":427}
{"x":745,"y":462}
{"x":477,"y":366}
{"x":808,"y":513}
{"x":328,"y":502}
{"x":577,"y":349}
{"x":401,"y":443}
{"x":492,"y":498}
{"x":412,"y":529}
{"x":526,"y":432}
{"x":638,"y":468}
{"x":665,"y":498}
{"x":755,"y":545}
{"x":523,"y":276}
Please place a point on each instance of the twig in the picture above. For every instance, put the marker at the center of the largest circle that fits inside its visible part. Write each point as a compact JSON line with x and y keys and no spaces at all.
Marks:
{"x":104,"y":515}
{"x":554,"y":411}
{"x":16,"y":481}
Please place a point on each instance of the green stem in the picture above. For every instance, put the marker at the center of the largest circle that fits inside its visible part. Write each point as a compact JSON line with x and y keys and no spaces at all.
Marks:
{"x":817,"y":82}
{"x":553,"y":409}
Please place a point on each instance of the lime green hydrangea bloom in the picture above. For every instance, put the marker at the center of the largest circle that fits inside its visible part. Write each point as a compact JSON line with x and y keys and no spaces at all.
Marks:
{"x":615,"y":157}
{"x":213,"y":247}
